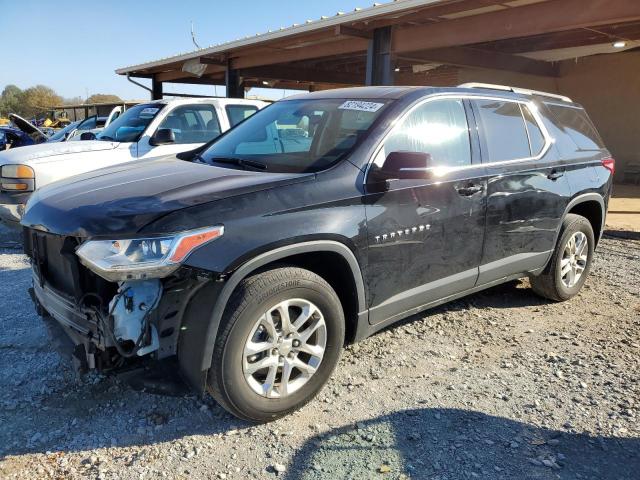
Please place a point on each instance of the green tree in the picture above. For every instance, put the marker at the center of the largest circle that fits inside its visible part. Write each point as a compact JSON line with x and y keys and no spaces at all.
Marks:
{"x":39,"y":99}
{"x":103,"y":98}
{"x":11,"y":100}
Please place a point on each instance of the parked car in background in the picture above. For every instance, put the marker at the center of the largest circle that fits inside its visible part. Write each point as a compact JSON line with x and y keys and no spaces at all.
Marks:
{"x":94,"y":124}
{"x":144,"y":131}
{"x":21,"y":133}
{"x":63,"y":134}
{"x":11,"y":137}
{"x":316,"y":222}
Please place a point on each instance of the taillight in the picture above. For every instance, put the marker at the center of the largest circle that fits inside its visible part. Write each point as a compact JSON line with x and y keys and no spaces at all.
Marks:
{"x":609,"y":164}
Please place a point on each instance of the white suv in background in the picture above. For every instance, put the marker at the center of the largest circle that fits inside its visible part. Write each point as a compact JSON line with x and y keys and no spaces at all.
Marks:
{"x":145,"y":131}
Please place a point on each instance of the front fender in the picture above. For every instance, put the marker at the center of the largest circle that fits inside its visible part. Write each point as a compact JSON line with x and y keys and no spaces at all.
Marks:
{"x":199,"y":337}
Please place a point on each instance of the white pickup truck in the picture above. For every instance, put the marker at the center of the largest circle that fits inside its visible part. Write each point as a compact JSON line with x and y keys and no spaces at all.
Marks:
{"x":145,"y":131}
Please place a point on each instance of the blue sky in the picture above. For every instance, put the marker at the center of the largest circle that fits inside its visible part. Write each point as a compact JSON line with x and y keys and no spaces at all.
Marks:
{"x":74,"y":47}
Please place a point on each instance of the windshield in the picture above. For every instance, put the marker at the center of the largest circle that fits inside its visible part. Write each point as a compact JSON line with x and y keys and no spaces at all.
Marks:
{"x":129,"y":126}
{"x":59,"y":135}
{"x":296,"y":136}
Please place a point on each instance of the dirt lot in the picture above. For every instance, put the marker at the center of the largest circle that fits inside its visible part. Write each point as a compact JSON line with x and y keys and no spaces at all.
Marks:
{"x":499,"y":385}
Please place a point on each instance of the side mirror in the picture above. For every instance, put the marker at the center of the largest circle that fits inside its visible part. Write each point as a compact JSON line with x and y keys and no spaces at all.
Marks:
{"x":404,"y":165}
{"x":163,"y":136}
{"x":87,"y":136}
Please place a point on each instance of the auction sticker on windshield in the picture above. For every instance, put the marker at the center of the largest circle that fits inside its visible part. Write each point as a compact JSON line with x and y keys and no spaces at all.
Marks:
{"x":150,"y":111}
{"x":361,"y":106}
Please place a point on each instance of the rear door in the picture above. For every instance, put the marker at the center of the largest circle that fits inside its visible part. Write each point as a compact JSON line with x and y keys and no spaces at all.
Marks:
{"x":527,"y":188}
{"x":425,"y":235}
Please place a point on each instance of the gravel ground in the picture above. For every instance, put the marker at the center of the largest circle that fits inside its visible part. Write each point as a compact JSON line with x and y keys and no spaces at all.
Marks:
{"x":499,"y":385}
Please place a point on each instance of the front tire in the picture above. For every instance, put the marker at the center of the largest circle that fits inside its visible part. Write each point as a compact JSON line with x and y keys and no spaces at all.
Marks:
{"x":566,"y":272}
{"x":278,"y":343}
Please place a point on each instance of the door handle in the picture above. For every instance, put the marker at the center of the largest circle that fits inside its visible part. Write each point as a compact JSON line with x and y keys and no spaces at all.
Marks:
{"x":470,"y":190}
{"x":555,"y":174}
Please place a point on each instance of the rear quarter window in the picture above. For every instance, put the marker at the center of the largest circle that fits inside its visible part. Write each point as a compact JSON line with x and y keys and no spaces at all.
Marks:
{"x":574,"y":122}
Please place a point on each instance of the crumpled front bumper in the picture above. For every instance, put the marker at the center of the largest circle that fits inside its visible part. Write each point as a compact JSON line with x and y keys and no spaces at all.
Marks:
{"x":70,"y":327}
{"x":64,"y":310}
{"x":12,"y":208}
{"x":11,"y":214}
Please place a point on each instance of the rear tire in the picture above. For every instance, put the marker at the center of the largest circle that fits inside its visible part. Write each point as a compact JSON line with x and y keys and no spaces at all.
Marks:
{"x":569,"y":266}
{"x":291,"y":321}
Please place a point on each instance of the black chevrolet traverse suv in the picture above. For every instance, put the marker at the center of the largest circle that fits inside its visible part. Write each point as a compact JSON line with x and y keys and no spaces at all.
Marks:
{"x":316,"y":222}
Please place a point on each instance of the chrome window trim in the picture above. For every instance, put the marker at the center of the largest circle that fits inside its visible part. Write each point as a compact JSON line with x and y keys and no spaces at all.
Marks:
{"x":533,"y":108}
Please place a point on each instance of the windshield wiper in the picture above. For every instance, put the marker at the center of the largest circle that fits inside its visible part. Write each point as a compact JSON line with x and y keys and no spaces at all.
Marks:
{"x":241,"y":162}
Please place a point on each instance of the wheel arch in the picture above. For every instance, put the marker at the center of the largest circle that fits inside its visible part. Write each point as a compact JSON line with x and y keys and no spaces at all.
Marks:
{"x":592,"y":207}
{"x":199,"y":339}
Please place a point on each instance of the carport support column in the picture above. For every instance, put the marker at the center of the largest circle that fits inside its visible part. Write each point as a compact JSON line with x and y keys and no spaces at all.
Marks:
{"x":233,"y":82}
{"x":156,"y":89}
{"x":379,"y":65}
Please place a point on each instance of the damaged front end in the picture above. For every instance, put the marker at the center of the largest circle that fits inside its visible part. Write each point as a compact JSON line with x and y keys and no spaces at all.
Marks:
{"x":108,"y":298}
{"x":130,"y":311}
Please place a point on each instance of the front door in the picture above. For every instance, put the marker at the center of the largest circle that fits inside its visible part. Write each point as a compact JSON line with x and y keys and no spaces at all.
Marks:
{"x":425,"y":236}
{"x":192,"y":126}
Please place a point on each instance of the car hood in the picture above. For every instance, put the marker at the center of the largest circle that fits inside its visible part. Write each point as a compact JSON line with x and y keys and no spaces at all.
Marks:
{"x":46,"y":152}
{"x":28,"y":128}
{"x":121,"y":200}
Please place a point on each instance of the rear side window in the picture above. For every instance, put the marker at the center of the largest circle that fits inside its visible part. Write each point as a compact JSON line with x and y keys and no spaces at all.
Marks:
{"x":575,"y":123}
{"x":503,"y":130}
{"x":536,"y":137}
{"x":238,"y":113}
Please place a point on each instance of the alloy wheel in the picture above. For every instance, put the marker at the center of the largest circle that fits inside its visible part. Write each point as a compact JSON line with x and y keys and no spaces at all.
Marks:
{"x":284,"y":348}
{"x":574,"y":259}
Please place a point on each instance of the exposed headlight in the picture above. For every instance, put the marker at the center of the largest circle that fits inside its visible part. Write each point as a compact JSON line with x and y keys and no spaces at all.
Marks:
{"x":140,"y":258}
{"x":17,"y":178}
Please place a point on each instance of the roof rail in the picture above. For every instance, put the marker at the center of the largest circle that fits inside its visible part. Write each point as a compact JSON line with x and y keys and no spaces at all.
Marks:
{"x":523,"y":91}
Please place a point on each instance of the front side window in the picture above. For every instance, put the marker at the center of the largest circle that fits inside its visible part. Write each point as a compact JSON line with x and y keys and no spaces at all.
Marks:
{"x":297,"y":135}
{"x":438,"y":128}
{"x":193,"y":123}
{"x":238,"y":113}
{"x":88,"y":124}
{"x":61,"y":134}
{"x":130,"y":126}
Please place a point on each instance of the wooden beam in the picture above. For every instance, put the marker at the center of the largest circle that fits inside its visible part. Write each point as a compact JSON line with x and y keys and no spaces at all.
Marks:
{"x":297,"y":54}
{"x":286,"y":84}
{"x":212,"y":61}
{"x":199,"y":81}
{"x":431,"y":12}
{"x":178,"y":74}
{"x":538,"y":18}
{"x":346,"y":31}
{"x":568,"y":39}
{"x":281,"y":72}
{"x":473,"y":57}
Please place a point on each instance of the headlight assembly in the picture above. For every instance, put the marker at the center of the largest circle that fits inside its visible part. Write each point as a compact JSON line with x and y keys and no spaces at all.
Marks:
{"x":17,"y":178}
{"x":140,"y":258}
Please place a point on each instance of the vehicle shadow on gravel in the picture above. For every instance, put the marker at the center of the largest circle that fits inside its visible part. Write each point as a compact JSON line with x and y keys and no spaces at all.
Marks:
{"x":461,"y":444}
{"x":102,"y":413}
